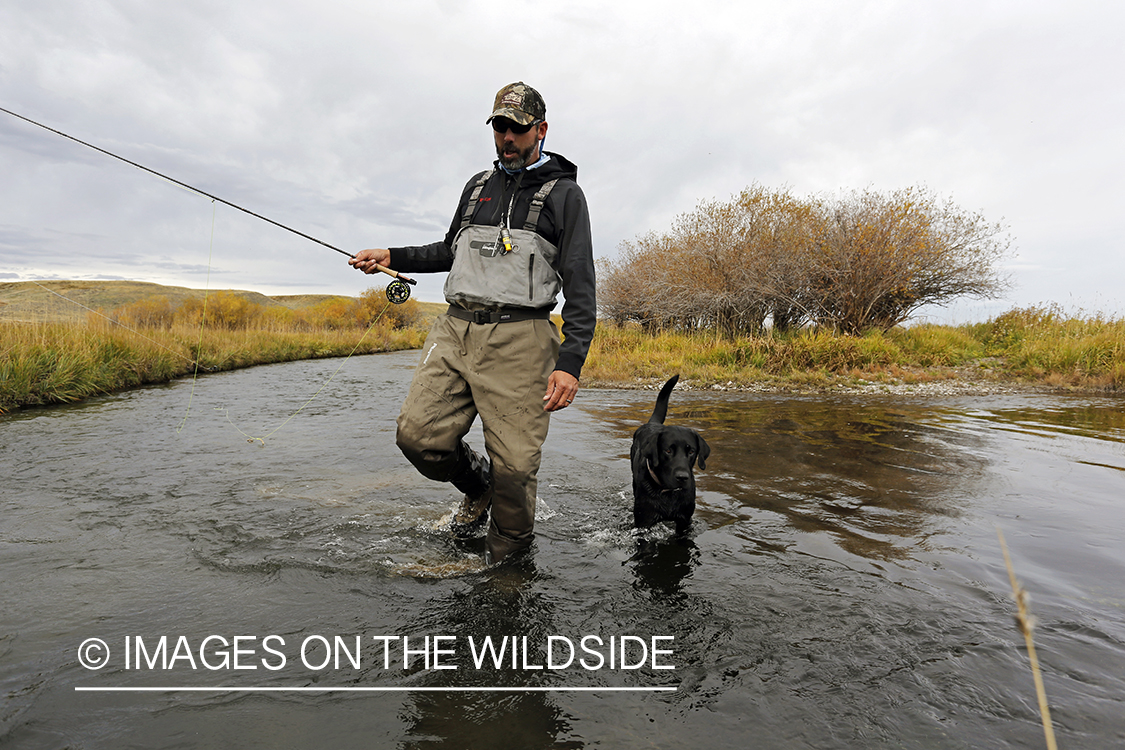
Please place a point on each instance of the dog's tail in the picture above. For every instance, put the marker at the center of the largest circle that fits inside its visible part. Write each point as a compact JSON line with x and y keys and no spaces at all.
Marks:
{"x":661,"y":410}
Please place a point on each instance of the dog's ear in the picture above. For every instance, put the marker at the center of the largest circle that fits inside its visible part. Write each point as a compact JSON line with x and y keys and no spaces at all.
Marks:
{"x":650,"y":447}
{"x":702,"y":449}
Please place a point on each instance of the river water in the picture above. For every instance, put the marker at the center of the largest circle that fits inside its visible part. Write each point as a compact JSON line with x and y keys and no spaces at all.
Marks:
{"x":842,"y":586}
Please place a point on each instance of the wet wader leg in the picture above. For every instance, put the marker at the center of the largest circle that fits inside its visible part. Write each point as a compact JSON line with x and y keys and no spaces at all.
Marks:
{"x":439,"y":411}
{"x":510,"y":364}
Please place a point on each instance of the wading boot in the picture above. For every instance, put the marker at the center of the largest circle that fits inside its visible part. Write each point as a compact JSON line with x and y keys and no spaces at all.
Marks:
{"x":475,"y":481}
{"x":471,"y":514}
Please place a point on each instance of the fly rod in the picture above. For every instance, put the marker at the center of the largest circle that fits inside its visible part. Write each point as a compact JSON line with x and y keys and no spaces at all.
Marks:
{"x":397,"y":291}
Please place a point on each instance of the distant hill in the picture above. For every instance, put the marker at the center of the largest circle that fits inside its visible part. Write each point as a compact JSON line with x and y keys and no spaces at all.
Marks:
{"x":60,"y":301}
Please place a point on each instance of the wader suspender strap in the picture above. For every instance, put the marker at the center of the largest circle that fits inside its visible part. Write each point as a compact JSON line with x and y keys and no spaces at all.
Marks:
{"x":537,"y":205}
{"x":537,"y":202}
{"x":467,"y":217}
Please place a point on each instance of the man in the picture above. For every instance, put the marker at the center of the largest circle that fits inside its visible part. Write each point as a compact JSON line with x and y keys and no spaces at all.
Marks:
{"x":520,"y":235}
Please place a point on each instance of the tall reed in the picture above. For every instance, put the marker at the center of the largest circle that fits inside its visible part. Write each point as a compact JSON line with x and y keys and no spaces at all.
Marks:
{"x":1026,"y":625}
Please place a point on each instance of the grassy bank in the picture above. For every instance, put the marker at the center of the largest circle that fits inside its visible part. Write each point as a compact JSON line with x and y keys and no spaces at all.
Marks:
{"x":45,"y":363}
{"x":1040,"y":346}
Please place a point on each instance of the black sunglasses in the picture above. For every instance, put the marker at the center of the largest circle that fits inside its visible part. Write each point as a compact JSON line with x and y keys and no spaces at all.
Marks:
{"x":503,"y":124}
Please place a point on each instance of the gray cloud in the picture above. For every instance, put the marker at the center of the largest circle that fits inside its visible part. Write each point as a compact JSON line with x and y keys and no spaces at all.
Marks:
{"x":358,"y":123}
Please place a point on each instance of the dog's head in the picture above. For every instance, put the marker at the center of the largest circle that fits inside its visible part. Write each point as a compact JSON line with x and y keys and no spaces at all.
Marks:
{"x":671,"y":452}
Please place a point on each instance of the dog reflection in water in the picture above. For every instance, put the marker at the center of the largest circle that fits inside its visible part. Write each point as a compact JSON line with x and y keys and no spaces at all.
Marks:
{"x":663,"y":459}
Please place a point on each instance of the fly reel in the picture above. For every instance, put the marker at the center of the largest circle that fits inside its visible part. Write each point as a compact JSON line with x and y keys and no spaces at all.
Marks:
{"x":398,"y":291}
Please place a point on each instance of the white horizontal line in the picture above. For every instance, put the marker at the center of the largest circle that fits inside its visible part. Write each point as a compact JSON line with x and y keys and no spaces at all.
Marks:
{"x":372,"y":689}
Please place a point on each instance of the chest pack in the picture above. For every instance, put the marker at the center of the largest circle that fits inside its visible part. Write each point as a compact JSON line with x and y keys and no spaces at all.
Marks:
{"x":494,"y":266}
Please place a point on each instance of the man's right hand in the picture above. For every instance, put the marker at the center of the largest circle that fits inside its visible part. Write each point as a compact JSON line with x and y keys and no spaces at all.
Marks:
{"x":369,"y":260}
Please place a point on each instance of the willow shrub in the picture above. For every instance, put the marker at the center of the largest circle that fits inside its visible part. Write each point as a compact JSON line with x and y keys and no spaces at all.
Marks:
{"x":851,"y":263}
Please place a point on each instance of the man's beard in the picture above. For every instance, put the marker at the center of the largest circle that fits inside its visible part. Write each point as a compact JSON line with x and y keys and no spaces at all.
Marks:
{"x":519,"y":160}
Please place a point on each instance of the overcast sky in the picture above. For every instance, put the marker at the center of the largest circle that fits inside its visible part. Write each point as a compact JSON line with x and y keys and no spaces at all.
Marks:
{"x":358,"y":122}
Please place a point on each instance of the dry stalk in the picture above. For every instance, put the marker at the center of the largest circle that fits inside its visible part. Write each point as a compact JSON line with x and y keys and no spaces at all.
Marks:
{"x":1026,"y":624}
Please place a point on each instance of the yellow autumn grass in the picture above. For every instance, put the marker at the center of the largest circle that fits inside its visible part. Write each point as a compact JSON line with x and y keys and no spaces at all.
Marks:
{"x":1033,"y":345}
{"x":44,"y":363}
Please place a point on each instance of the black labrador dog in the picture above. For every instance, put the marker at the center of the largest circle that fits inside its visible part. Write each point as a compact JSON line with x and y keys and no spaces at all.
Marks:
{"x":662,"y":458}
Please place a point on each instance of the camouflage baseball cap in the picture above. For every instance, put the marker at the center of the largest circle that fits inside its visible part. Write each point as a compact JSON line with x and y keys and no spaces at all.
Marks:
{"x":519,"y":103}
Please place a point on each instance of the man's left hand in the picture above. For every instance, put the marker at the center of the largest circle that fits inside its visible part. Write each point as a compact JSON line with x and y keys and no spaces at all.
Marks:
{"x":561,"y":390}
